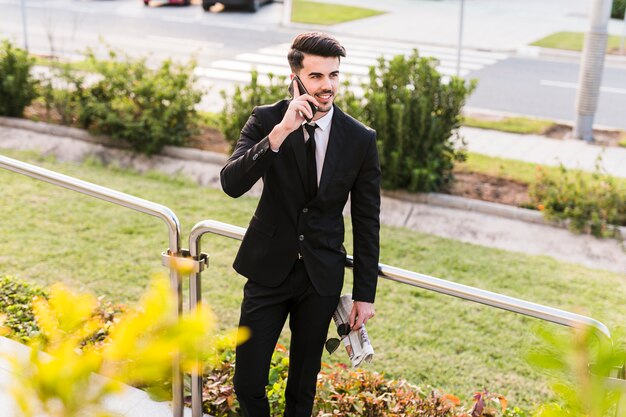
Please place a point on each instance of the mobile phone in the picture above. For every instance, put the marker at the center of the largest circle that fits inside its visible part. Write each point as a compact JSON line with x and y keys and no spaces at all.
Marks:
{"x":302,"y":89}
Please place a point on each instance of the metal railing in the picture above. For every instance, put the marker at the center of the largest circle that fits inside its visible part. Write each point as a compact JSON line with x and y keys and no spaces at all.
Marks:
{"x":131,"y":202}
{"x":399,"y":275}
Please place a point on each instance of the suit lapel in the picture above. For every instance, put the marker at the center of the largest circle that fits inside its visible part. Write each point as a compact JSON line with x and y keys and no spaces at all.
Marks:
{"x":336,"y":142}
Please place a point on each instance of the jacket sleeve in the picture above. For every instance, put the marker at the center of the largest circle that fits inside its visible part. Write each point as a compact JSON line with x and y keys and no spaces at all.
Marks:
{"x":365,"y":211}
{"x":250,"y":160}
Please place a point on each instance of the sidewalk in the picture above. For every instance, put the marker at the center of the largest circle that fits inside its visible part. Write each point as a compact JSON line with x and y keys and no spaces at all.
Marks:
{"x":571,"y":153}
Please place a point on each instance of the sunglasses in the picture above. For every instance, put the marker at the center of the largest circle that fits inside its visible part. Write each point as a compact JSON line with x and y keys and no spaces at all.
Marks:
{"x":333,"y":343}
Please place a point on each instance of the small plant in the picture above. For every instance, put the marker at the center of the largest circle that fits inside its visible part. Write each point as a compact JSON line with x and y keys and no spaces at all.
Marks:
{"x":592,"y":206}
{"x":17,"y":86}
{"x":16,"y":304}
{"x":578,"y":363}
{"x":138,"y":350}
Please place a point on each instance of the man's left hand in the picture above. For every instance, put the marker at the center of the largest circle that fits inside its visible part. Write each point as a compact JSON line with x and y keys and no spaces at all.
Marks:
{"x":360,"y":314}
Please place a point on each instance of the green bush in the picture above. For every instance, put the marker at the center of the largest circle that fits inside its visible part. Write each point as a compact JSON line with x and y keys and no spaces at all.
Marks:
{"x":125,"y":99}
{"x":591,"y":206}
{"x":63,"y":100}
{"x":15,"y":304}
{"x":237,"y":107}
{"x":16,"y":298}
{"x":416,"y":115}
{"x":618,"y":8}
{"x":17,"y":86}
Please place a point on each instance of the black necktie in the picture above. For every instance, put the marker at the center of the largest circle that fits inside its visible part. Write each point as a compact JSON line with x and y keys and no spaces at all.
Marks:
{"x":311,"y":164}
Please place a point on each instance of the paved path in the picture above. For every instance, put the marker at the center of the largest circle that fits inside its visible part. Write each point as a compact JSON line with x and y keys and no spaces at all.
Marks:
{"x":571,"y":153}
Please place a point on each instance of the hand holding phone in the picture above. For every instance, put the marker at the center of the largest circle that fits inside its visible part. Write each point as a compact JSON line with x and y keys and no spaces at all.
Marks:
{"x":302,"y":90}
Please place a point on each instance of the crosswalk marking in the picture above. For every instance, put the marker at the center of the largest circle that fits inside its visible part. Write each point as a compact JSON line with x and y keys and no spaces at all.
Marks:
{"x":362,"y":54}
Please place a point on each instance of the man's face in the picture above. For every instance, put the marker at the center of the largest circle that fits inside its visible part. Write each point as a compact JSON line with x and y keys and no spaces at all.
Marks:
{"x":320,"y":76}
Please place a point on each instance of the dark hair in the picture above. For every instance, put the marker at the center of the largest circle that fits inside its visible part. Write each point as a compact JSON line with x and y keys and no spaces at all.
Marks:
{"x":313,"y":43}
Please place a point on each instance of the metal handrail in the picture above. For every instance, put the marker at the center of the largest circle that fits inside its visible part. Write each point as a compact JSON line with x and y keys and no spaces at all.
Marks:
{"x":131,"y":202}
{"x":439,"y":285}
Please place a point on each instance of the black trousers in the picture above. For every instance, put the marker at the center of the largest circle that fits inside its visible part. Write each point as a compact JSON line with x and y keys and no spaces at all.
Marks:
{"x":264,"y":311}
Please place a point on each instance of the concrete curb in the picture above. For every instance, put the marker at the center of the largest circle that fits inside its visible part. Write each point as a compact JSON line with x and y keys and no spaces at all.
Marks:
{"x":190,"y":154}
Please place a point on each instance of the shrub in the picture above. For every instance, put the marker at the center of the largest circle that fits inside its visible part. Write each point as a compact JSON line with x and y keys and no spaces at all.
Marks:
{"x":346,"y":393}
{"x":591,"y":206}
{"x":17,"y":86}
{"x":61,"y":93}
{"x":618,"y":8}
{"x":416,"y":116}
{"x":127,"y":100}
{"x":16,"y":298}
{"x":138,"y":350}
{"x":239,"y":105}
{"x":15,"y":303}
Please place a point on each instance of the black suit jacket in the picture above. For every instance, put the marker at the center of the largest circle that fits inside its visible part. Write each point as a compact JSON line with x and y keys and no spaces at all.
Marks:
{"x":285,"y":223}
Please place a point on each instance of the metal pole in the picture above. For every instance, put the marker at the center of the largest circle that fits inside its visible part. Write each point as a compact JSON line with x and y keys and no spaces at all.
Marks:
{"x":24,"y":25}
{"x":195,"y":298}
{"x":592,"y":64}
{"x":133,"y":203}
{"x":460,"y":41}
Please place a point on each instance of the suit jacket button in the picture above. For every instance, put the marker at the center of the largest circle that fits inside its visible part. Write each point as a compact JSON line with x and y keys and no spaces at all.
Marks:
{"x":301,"y":237}
{"x":305,"y":210}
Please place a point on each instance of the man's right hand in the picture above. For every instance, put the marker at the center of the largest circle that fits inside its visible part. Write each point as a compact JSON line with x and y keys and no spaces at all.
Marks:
{"x":293,"y":118}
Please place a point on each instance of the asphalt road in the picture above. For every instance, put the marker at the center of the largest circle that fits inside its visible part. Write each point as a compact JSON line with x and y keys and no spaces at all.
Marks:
{"x":218,"y":40}
{"x":547,"y":88}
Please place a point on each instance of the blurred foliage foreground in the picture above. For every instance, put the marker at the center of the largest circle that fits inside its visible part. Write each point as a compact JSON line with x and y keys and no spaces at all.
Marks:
{"x":81,"y":337}
{"x":136,"y":346}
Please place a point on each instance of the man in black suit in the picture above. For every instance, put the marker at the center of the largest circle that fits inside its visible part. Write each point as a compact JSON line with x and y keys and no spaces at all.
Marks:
{"x":292,"y":253}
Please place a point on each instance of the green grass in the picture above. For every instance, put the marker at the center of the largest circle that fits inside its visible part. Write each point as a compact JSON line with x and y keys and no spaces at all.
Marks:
{"x":574,"y":41}
{"x":317,"y":13}
{"x":511,"y":169}
{"x":522,"y":125}
{"x":51,"y":234}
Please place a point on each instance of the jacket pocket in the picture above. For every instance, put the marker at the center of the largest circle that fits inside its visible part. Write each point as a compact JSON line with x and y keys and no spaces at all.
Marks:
{"x":261,"y":226}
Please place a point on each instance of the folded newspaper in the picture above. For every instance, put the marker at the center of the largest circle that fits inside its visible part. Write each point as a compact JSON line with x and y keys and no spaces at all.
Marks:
{"x":357,"y":343}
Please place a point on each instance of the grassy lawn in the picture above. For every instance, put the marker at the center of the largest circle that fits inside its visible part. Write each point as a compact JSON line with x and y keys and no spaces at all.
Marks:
{"x":51,"y":234}
{"x":574,"y":41}
{"x":317,"y":13}
{"x":510,"y":168}
{"x":522,"y":125}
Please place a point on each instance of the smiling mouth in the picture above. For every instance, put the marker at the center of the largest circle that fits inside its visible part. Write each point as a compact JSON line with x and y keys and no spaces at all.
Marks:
{"x":324,"y":96}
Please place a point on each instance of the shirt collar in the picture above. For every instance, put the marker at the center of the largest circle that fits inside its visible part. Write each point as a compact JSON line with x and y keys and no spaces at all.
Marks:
{"x":323,"y":122}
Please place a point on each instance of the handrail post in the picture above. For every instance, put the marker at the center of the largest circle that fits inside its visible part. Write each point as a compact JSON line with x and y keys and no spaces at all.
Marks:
{"x":195,"y":298}
{"x":134,"y":203}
